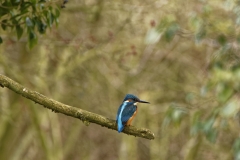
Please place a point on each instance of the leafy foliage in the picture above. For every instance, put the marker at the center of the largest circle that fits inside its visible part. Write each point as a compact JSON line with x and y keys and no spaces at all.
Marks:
{"x":32,"y":17}
{"x":223,"y":75}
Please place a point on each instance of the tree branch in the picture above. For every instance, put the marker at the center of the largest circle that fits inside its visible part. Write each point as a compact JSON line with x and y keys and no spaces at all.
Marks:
{"x":85,"y":116}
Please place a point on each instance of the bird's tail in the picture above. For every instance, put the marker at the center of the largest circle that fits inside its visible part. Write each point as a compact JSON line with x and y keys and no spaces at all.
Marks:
{"x":120,"y":126}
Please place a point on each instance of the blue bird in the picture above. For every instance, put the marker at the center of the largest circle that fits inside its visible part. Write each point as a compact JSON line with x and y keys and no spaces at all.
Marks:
{"x":127,"y":111}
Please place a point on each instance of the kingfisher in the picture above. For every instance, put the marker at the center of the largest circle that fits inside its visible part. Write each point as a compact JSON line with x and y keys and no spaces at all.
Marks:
{"x":127,"y":111}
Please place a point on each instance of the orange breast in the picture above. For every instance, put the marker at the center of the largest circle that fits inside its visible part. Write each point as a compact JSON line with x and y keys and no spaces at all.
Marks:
{"x":130,"y":119}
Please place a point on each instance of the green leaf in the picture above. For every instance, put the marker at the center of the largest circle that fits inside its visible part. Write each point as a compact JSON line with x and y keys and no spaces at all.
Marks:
{"x":50,"y":19}
{"x":237,"y":155}
{"x":230,"y":109}
{"x":32,"y":39}
{"x":165,"y":23}
{"x":24,"y":7}
{"x":196,"y":22}
{"x":224,"y":92}
{"x":207,"y":126}
{"x":4,"y":24}
{"x":171,"y":31}
{"x":236,"y":67}
{"x":41,"y":27}
{"x":218,"y":65}
{"x":176,"y":114}
{"x":166,"y":122}
{"x":41,"y":6}
{"x":6,"y":4}
{"x":190,"y":97}
{"x":222,"y":39}
{"x":200,"y":34}
{"x":33,"y":1}
{"x":29,"y":22}
{"x":167,"y":118}
{"x":14,"y":21}
{"x":15,"y":2}
{"x":19,"y":30}
{"x":236,"y":145}
{"x":19,"y":16}
{"x":212,"y":135}
{"x":196,"y":124}
{"x":3,"y":11}
{"x":236,"y":148}
{"x":238,"y":38}
{"x":31,"y":35}
{"x":1,"y":40}
{"x":56,"y":21}
{"x":57,"y":12}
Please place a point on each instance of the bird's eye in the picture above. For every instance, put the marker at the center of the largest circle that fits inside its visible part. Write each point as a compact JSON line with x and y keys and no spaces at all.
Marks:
{"x":129,"y":100}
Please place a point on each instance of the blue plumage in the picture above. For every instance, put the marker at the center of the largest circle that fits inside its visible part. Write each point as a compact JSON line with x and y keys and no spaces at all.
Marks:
{"x":127,"y":110}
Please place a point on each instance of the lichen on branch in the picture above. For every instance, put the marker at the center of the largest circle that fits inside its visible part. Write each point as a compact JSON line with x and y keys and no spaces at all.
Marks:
{"x":58,"y":107}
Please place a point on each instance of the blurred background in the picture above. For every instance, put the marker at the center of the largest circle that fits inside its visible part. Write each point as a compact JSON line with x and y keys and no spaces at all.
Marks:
{"x":181,"y":56}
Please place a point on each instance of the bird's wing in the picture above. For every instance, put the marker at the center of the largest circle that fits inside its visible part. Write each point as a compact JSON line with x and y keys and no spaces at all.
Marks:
{"x":128,"y":111}
{"x":125,"y":111}
{"x":119,"y":110}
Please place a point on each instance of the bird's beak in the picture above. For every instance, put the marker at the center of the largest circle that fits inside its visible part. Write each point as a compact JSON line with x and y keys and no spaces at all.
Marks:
{"x":140,"y":101}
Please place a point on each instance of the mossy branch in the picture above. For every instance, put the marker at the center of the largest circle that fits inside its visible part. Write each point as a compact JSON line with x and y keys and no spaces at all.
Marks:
{"x":85,"y":116}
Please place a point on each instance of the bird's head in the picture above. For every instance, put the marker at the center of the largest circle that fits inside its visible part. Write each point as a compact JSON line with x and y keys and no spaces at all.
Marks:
{"x":132,"y":98}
